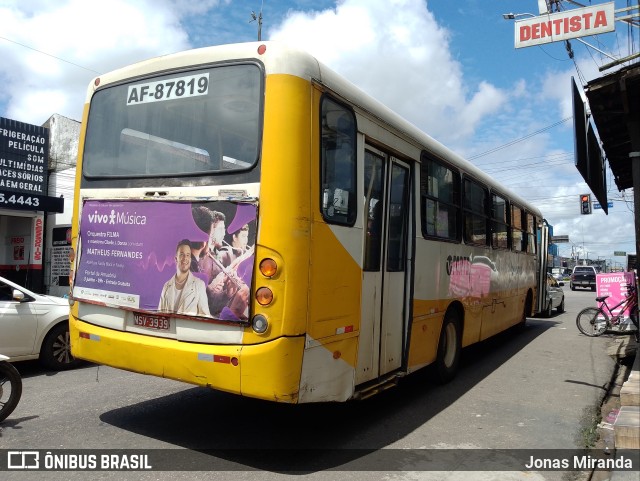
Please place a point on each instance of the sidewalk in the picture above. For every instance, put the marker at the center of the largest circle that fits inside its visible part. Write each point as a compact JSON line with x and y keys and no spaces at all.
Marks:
{"x":626,"y":417}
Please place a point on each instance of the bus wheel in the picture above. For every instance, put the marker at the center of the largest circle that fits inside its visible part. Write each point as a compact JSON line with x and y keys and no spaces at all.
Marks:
{"x":449,"y":348}
{"x":525,"y":312}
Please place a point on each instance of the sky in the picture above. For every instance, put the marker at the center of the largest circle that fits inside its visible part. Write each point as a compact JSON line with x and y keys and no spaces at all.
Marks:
{"x":449,"y":67}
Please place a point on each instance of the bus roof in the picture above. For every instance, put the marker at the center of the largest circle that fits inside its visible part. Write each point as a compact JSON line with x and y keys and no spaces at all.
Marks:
{"x":279,"y":58}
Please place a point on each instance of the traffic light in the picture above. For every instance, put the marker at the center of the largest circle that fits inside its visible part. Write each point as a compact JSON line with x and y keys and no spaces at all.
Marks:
{"x":585,"y":204}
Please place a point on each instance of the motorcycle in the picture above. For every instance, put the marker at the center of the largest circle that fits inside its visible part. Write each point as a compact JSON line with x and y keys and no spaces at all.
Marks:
{"x":10,"y":387}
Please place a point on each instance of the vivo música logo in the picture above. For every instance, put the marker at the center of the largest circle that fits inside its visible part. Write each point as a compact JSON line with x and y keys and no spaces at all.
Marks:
{"x":117,"y":218}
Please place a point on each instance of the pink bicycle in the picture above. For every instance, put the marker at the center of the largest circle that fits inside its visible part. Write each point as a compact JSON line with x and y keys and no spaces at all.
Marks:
{"x":594,"y":321}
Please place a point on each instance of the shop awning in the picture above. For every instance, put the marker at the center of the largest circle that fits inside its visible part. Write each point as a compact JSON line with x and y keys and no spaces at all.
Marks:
{"x":615,"y":108}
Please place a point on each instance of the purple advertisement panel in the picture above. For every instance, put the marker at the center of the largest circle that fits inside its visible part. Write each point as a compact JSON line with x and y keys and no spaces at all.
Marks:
{"x":189,"y":258}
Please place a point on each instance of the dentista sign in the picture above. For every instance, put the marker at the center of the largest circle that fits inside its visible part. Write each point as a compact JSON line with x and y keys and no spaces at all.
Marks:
{"x":555,"y":27}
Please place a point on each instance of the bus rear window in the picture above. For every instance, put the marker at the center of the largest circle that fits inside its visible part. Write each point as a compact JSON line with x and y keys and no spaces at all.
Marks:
{"x":183,"y":123}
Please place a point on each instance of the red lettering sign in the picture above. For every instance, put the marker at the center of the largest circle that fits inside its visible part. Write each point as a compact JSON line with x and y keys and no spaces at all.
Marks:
{"x":575,"y":23}
{"x":37,"y":241}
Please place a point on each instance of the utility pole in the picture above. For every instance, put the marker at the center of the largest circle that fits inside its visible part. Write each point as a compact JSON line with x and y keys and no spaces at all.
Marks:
{"x":258,"y":18}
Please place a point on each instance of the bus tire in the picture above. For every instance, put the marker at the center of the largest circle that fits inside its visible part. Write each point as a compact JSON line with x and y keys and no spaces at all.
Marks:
{"x":449,"y":347}
{"x":526,"y":311}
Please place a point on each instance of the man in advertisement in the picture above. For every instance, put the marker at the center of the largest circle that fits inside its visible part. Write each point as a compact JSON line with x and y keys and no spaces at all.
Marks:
{"x":228,"y":294}
{"x":184,"y":293}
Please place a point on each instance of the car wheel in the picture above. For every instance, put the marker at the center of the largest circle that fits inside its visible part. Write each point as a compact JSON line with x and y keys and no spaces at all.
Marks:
{"x":55,"y":352}
{"x":561,"y":306}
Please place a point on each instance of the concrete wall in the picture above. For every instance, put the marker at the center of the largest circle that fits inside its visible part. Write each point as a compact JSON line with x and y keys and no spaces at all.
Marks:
{"x":64,"y":134}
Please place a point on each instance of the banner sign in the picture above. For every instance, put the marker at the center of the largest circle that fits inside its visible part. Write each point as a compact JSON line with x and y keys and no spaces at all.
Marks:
{"x":59,"y":255}
{"x":188,"y":258}
{"x":37,"y":238}
{"x":24,"y":153}
{"x":33,"y":202}
{"x":574,"y":23}
{"x":613,"y":285}
{"x":24,"y":158}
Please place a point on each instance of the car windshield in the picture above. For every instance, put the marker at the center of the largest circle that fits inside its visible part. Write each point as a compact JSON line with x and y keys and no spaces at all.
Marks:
{"x":183,"y":123}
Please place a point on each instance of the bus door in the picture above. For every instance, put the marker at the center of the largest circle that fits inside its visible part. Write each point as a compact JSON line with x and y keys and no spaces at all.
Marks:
{"x":385,"y":265}
{"x":541,"y":271}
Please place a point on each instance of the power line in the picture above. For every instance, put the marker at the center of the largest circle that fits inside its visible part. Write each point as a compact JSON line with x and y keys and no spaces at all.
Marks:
{"x":549,"y":157}
{"x":48,"y":54}
{"x":509,"y":144}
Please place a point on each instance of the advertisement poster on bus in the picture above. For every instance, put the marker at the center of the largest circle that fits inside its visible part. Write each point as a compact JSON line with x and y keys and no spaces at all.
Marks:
{"x":614,"y":285}
{"x":470,"y":276}
{"x":188,"y":258}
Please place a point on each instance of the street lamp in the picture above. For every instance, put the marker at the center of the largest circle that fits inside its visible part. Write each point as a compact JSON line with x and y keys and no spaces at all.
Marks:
{"x":512,"y":16}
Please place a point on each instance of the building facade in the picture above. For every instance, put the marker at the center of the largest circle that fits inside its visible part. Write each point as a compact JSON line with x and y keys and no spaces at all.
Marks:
{"x":37,"y":170}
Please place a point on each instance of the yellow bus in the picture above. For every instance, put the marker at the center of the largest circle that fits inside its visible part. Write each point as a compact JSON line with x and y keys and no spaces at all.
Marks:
{"x":248,"y":220}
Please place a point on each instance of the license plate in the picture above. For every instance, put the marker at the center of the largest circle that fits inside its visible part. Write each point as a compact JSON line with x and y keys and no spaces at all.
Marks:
{"x":151,"y":322}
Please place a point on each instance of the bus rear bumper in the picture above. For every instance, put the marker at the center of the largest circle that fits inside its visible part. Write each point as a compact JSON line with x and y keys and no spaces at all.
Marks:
{"x":270,"y":370}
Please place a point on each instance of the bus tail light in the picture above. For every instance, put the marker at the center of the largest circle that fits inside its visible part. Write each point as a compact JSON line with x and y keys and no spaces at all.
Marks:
{"x":268,"y":267}
{"x":259,"y":323}
{"x":264,"y":296}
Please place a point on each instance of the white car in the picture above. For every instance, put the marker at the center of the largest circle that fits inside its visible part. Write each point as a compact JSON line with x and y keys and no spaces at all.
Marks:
{"x":33,"y":326}
{"x":555,"y":296}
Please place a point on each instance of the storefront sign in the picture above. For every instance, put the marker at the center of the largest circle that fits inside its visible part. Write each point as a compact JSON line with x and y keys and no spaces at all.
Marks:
{"x":574,"y":23}
{"x":24,"y":154}
{"x":37,"y":236}
{"x":24,"y":166}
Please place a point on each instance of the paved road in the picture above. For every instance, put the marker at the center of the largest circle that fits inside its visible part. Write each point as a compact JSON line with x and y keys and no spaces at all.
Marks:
{"x":537,"y":389}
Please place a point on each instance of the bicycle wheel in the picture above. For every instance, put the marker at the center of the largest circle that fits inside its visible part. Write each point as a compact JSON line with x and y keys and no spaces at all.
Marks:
{"x":592,"y":321}
{"x":634,"y":319}
{"x":634,"y":316}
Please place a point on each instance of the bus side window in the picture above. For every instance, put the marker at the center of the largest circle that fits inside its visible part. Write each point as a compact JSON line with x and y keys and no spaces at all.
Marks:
{"x":499,"y":222}
{"x":531,"y":233}
{"x":440,"y":194}
{"x":338,"y":163}
{"x":517,"y":230}
{"x":475,"y":200}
